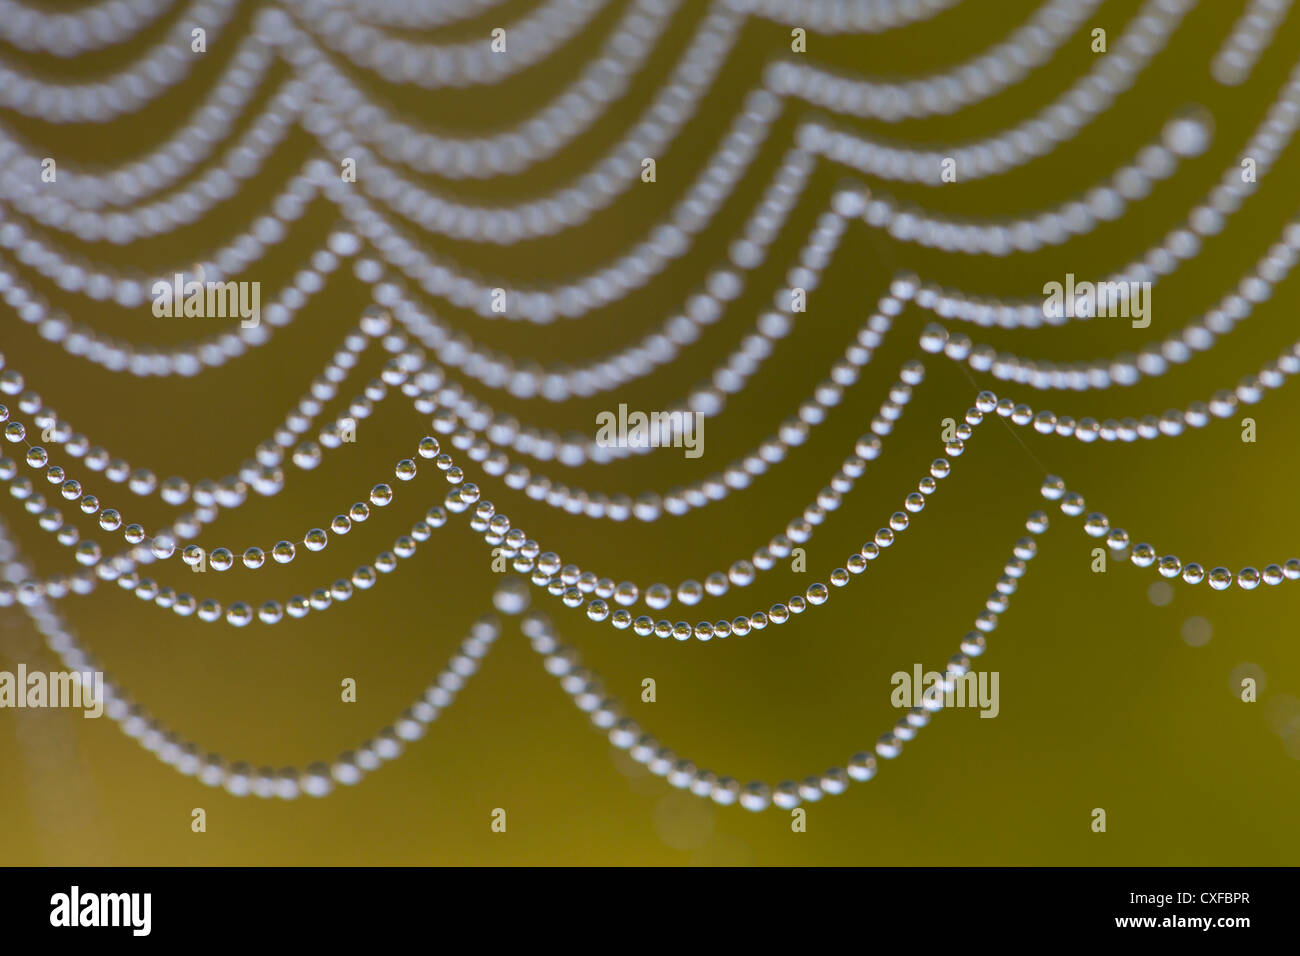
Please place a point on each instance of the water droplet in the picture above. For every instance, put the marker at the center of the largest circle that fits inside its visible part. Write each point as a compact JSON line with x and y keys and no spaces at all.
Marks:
{"x":657,"y":596}
{"x":240,"y":614}
{"x":1096,"y":525}
{"x":1189,"y":132}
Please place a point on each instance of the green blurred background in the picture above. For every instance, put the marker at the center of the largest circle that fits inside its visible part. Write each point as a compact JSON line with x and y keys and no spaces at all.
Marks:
{"x":1103,"y":702}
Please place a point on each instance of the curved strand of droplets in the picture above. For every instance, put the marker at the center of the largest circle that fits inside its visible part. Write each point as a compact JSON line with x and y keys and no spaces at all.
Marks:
{"x":164,"y":65}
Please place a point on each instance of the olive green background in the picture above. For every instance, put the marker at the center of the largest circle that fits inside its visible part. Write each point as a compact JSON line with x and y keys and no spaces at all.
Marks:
{"x":1103,"y":704}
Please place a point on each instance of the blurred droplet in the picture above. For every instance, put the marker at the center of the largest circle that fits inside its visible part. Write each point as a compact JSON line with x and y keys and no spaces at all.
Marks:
{"x":1160,"y":593}
{"x":683,"y":822}
{"x":1197,"y":631}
